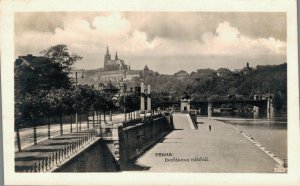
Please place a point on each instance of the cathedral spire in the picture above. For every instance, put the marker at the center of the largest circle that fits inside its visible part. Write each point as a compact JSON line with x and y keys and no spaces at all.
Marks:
{"x":107,"y":50}
{"x":116,"y":58}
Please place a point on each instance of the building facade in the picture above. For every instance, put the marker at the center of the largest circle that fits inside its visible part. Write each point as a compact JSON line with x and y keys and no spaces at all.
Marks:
{"x":114,"y":71}
{"x":114,"y":64}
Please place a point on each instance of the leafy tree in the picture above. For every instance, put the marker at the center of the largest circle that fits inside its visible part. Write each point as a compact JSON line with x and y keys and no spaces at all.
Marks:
{"x":39,"y":73}
{"x":59,"y":54}
{"x":36,"y":77}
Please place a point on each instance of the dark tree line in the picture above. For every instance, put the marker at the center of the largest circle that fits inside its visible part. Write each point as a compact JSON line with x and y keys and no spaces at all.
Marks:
{"x":44,"y":89}
{"x":206,"y":84}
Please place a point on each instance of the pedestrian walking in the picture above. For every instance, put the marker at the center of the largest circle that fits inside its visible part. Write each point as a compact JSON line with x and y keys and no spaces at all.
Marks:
{"x":209,"y":127}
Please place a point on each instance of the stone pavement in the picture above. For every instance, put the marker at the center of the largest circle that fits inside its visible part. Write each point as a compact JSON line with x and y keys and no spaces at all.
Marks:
{"x":182,"y":121}
{"x":221,"y":150}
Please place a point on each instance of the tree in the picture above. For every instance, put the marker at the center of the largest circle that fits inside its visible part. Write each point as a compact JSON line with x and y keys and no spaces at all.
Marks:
{"x":31,"y":108}
{"x":59,"y":54}
{"x":56,"y":99}
{"x":39,"y":73}
{"x":131,"y":102}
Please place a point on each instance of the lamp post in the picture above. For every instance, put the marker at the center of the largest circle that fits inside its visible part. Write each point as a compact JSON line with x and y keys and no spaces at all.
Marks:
{"x":142,"y":108}
{"x":149,"y":100}
{"x":122,"y":90}
{"x":124,"y":106}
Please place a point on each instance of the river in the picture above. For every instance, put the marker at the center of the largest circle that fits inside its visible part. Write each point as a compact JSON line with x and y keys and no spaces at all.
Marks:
{"x":270,"y":132}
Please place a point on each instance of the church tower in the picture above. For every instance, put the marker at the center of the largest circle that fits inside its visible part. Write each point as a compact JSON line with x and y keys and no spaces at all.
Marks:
{"x":107,"y":57}
{"x":146,"y":72}
{"x":116,"y":57}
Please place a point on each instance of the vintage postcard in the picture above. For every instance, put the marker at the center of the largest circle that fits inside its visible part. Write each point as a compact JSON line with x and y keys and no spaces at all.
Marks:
{"x":139,"y":93}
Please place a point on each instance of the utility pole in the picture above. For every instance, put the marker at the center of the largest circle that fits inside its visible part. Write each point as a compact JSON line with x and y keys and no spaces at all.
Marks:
{"x":124,"y":94}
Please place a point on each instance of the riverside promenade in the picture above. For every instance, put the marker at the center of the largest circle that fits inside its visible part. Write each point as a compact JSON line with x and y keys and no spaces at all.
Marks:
{"x":221,"y":150}
{"x":26,"y":134}
{"x":49,"y":154}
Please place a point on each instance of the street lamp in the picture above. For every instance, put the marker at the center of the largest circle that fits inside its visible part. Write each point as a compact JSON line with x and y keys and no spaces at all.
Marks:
{"x":122,"y":86}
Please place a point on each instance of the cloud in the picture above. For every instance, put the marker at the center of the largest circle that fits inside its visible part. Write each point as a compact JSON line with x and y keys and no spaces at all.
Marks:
{"x":229,"y":41}
{"x":191,"y":25}
{"x":111,"y":24}
{"x":89,"y":34}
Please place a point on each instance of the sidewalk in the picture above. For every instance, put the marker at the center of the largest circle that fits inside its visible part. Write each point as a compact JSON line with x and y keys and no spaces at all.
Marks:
{"x":222,"y":150}
{"x":26,"y":134}
{"x":52,"y":152}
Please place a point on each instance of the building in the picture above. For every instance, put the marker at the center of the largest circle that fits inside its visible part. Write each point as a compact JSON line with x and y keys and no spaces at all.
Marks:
{"x":247,"y":69}
{"x":113,"y":65}
{"x":114,"y":71}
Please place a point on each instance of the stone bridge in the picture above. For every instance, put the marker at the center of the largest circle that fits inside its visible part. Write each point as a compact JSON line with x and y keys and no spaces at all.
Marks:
{"x":206,"y":107}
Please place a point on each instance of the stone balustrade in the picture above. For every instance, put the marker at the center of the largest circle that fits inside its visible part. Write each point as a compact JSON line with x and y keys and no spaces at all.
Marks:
{"x":58,"y":157}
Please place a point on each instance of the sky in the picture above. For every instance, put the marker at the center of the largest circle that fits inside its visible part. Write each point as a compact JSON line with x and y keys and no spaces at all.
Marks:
{"x":165,"y":41}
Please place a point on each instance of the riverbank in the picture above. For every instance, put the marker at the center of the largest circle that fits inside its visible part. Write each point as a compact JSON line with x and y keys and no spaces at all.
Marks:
{"x":223,"y":149}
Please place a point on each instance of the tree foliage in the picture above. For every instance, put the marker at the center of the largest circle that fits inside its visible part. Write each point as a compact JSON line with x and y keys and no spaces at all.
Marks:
{"x":59,"y":54}
{"x":207,"y":84}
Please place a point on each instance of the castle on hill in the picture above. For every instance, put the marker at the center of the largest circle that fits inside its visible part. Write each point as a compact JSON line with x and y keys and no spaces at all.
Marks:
{"x":115,"y":71}
{"x":116,"y":64}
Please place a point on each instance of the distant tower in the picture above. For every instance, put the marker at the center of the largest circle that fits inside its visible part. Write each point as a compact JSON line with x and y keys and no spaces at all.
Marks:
{"x":146,"y":71}
{"x":107,"y":57}
{"x":116,"y":58}
{"x":247,"y":64}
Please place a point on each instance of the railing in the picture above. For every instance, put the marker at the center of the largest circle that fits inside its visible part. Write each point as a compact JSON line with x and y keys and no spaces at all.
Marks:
{"x":58,"y":157}
{"x":193,"y":115}
{"x":140,"y":120}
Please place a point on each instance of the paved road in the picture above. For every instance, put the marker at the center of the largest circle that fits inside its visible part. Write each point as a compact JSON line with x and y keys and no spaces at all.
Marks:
{"x":26,"y":134}
{"x":221,"y":150}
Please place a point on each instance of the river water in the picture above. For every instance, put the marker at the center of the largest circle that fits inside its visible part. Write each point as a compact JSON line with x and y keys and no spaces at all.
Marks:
{"x":270,"y":132}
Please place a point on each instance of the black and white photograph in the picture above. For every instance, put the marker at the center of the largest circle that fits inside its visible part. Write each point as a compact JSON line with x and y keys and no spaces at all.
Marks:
{"x":151,"y":92}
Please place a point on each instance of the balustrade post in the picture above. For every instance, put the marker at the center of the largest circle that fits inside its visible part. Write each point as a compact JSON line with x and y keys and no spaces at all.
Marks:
{"x":49,"y":162}
{"x":70,"y":149}
{"x":60,"y":155}
{"x":40,"y":166}
{"x":56,"y":157}
{"x":35,"y":167}
{"x":65,"y":152}
{"x":53,"y":160}
{"x":45,"y":164}
{"x":72,"y":145}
